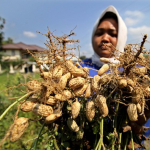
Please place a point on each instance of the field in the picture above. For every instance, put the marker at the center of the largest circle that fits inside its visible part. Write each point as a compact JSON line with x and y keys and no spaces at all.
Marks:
{"x":9,"y":89}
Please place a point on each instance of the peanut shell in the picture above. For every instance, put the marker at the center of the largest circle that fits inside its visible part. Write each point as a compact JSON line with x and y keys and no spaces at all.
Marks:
{"x":72,"y":125}
{"x":63,"y":81}
{"x":80,"y":133}
{"x":18,"y":128}
{"x":76,"y":82}
{"x":103,"y":69}
{"x":90,"y":110}
{"x":95,"y":83}
{"x":34,"y":85}
{"x":46,"y":75}
{"x":57,"y":72}
{"x":104,"y":60}
{"x":66,"y":95}
{"x":132,"y":112}
{"x":130,"y":82}
{"x":88,"y":91}
{"x":75,"y":109}
{"x":42,"y":110}
{"x":104,"y":79}
{"x":74,"y":70}
{"x":137,"y":95}
{"x":81,"y":90}
{"x":51,"y":118}
{"x":101,"y":103}
{"x":139,"y":108}
{"x":27,"y":106}
{"x":51,"y":101}
{"x":122,"y":83}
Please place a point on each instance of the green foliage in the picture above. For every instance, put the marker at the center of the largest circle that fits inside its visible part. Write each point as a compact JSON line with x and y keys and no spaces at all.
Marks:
{"x":2,"y":22}
{"x":31,"y":59}
{"x":82,"y":57}
{"x":145,"y":55}
{"x":8,"y":41}
{"x":6,"y":64}
{"x":11,"y":82}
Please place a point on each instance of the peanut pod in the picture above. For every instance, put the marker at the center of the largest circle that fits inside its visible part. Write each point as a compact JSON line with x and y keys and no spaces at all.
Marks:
{"x":63,"y":81}
{"x":132,"y":112}
{"x":66,"y":95}
{"x":88,"y":91}
{"x":103,"y":69}
{"x":122,"y":83}
{"x":95,"y":83}
{"x":51,"y":118}
{"x":75,"y":109}
{"x":76,"y":82}
{"x":80,"y":91}
{"x":72,"y":125}
{"x":34,"y":85}
{"x":101,"y":103}
{"x":57,"y":72}
{"x":27,"y":106}
{"x":42,"y":110}
{"x":90,"y":110}
{"x":18,"y":128}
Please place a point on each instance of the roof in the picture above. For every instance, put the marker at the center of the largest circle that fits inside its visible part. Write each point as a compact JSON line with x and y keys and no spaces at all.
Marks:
{"x":21,"y":46}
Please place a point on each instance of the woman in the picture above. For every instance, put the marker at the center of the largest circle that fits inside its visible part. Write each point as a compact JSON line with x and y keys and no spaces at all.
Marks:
{"x":109,"y":34}
{"x":110,"y":30}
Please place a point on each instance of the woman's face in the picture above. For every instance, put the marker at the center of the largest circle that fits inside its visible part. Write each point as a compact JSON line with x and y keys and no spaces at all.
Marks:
{"x":105,"y":37}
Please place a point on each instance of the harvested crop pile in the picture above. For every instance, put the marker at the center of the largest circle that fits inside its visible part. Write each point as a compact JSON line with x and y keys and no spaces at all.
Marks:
{"x":106,"y":111}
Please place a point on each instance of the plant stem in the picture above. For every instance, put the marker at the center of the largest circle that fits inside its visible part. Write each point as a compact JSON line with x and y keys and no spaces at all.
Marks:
{"x":132,"y":140}
{"x":36,"y":141}
{"x":95,"y":142}
{"x":133,"y":62}
{"x":116,"y":114}
{"x":4,"y":113}
{"x":120,"y":136}
{"x":113,"y":144}
{"x":98,"y":144}
{"x":55,"y":144}
{"x":125,"y":147}
{"x":103,"y":147}
{"x":115,"y":125}
{"x":101,"y":133}
{"x":111,"y":92}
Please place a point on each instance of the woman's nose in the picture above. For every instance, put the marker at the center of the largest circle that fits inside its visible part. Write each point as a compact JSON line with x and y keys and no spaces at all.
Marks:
{"x":105,"y":37}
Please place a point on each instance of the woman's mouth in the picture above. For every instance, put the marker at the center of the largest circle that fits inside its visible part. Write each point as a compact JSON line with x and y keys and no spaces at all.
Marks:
{"x":105,"y":46}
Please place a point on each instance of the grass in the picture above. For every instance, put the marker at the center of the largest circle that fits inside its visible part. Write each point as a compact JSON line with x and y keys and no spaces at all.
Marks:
{"x":6,"y":93}
{"x":3,"y":80}
{"x":7,"y":79}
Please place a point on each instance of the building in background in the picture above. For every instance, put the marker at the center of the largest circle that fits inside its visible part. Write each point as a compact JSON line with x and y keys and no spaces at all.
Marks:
{"x":16,"y":52}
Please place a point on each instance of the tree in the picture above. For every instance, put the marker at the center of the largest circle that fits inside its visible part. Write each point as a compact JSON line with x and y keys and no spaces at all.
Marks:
{"x":2,"y":22}
{"x":8,"y":41}
{"x":82,"y":57}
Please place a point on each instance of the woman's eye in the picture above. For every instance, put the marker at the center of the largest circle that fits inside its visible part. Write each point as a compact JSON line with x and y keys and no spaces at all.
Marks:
{"x":99,"y":33}
{"x":113,"y":34}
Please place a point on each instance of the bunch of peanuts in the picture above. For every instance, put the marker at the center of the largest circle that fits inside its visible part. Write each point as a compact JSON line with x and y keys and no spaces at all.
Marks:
{"x":67,"y":82}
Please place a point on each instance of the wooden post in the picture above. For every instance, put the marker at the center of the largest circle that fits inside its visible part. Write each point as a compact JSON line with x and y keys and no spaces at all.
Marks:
{"x":11,"y":69}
